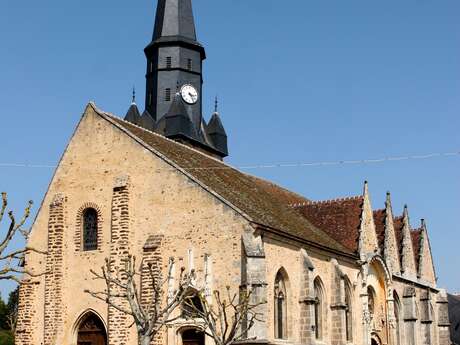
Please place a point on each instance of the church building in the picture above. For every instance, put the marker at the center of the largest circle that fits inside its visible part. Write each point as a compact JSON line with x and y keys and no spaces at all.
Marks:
{"x":154,"y":184}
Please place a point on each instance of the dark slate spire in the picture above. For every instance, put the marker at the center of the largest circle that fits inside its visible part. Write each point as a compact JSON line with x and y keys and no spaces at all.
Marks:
{"x":216,"y":132}
{"x":174,"y":56}
{"x":175,"y":64}
{"x":133,"y":115}
{"x":174,"y":18}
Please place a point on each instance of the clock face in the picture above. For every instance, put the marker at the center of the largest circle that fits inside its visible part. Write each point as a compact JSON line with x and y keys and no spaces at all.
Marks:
{"x":189,"y":94}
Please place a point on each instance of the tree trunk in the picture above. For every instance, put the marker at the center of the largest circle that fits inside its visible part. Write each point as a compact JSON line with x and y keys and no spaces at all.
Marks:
{"x":144,"y":339}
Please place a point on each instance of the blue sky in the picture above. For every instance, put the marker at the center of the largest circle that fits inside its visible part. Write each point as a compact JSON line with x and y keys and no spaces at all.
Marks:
{"x":298,"y":80}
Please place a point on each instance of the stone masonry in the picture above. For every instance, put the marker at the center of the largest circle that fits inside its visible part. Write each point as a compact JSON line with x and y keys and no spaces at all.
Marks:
{"x":54,"y":304}
{"x":118,"y":323}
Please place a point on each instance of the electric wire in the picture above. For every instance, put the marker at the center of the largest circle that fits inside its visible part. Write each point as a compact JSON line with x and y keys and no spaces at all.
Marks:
{"x":279,"y":165}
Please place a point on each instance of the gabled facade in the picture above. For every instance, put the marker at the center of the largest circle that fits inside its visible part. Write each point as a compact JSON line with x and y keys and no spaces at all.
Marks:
{"x":155,"y":186}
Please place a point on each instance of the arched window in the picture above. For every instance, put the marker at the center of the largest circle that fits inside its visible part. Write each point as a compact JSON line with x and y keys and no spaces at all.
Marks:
{"x":192,"y":306}
{"x":348,"y":312}
{"x":319,"y":309}
{"x":397,"y":315}
{"x":280,"y":306}
{"x":371,"y":300}
{"x":90,"y":229}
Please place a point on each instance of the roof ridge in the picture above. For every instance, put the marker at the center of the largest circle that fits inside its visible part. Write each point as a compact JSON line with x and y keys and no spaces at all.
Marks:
{"x":327,"y":202}
{"x":111,"y":115}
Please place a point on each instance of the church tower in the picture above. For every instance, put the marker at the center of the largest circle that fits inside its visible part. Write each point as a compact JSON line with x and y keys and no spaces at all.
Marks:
{"x":174,"y":59}
{"x":174,"y":82}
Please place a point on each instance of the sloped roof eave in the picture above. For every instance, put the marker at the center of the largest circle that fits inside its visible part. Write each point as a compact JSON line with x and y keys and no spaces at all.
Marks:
{"x":303,"y":230}
{"x":169,"y":161}
{"x":344,"y":253}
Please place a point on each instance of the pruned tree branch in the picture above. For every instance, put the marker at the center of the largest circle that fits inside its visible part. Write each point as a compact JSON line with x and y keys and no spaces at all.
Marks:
{"x":122,"y":293}
{"x":229,"y":319}
{"x":10,"y":260}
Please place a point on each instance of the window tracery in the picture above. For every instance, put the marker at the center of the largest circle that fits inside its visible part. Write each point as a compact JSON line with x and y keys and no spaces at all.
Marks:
{"x":280,"y":294}
{"x":319,"y":309}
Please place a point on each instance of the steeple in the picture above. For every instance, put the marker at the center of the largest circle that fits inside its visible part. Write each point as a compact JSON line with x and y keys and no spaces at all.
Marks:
{"x":173,"y":57}
{"x":174,"y":18}
{"x":174,"y":81}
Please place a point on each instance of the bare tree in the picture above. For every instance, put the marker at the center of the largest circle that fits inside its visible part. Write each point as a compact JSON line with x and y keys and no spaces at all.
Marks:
{"x":13,"y":308}
{"x":10,"y":268}
{"x":123,"y":294}
{"x":228,"y":319}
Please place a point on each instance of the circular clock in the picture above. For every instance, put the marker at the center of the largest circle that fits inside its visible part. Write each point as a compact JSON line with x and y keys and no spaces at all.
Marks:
{"x":189,"y":94}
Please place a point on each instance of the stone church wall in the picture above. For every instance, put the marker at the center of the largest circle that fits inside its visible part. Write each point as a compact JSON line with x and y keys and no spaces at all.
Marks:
{"x":161,"y":201}
{"x":288,"y":256}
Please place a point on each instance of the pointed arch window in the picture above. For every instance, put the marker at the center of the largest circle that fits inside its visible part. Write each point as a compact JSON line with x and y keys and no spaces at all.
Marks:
{"x":192,"y":305}
{"x":348,"y":312}
{"x":397,"y":316}
{"x":280,"y":306}
{"x":90,"y":228}
{"x":371,"y":301}
{"x":319,"y":309}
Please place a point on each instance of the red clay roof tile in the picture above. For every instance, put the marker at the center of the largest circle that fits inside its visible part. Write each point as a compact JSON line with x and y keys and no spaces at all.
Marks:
{"x":340,"y":219}
{"x":379,"y":220}
{"x":416,"y":237}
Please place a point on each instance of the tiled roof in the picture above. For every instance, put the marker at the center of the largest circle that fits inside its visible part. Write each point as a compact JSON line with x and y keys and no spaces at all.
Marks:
{"x":379,"y":220}
{"x":263,"y":202}
{"x":339,"y":218}
{"x":398,"y":223}
{"x":416,"y":237}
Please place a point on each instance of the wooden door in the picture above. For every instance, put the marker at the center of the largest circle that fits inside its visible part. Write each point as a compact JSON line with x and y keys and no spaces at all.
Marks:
{"x":91,"y":331}
{"x":192,"y":337}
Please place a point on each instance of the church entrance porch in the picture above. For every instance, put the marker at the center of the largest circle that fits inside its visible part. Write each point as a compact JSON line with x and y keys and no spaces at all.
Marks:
{"x":192,"y":337}
{"x":91,"y":331}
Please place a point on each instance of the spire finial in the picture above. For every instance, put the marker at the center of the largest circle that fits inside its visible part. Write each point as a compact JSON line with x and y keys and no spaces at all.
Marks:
{"x":134,"y":94}
{"x":216,"y":104}
{"x":388,"y":200}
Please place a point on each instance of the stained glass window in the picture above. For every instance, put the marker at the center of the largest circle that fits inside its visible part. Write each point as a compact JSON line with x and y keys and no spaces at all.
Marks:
{"x":89,"y":229}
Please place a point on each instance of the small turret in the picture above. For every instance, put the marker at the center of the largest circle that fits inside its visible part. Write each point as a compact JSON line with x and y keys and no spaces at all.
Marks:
{"x":216,"y":132}
{"x":133,"y":115}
